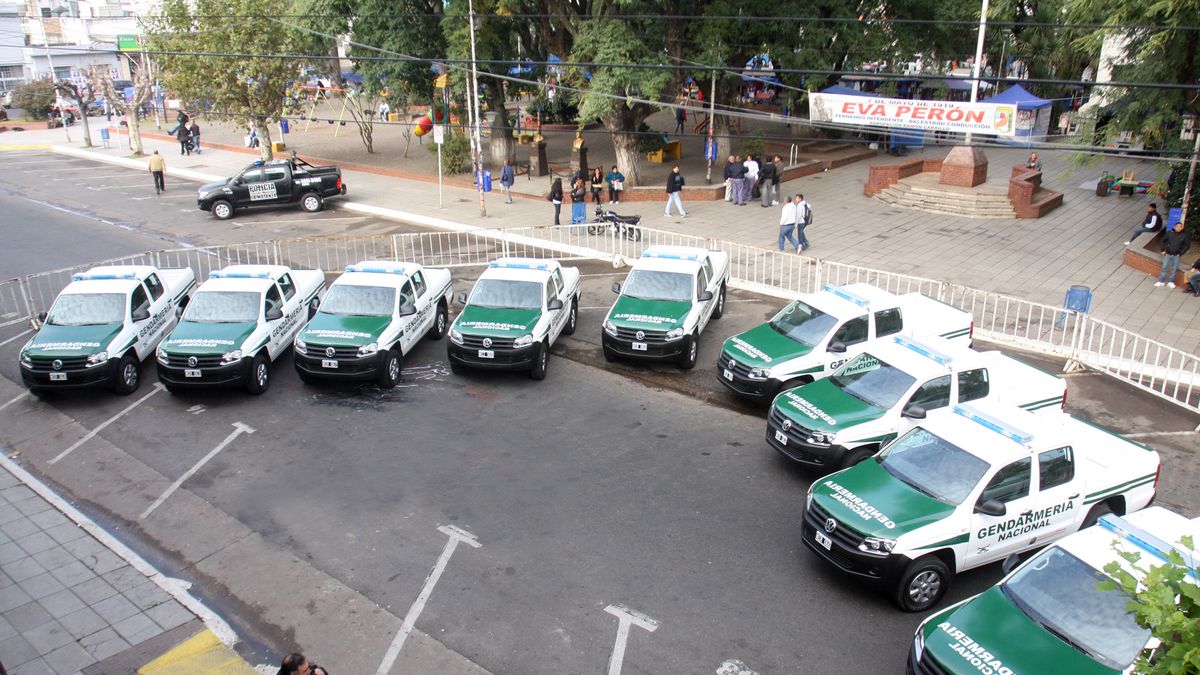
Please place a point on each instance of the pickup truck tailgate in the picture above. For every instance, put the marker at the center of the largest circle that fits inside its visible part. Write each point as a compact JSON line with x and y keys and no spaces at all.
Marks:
{"x":1023,"y":385}
{"x":925,"y":316}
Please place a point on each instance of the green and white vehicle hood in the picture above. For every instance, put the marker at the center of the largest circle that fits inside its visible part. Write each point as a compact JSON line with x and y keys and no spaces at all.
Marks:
{"x":656,"y":315}
{"x":335,"y":330}
{"x":820,"y":406}
{"x":501,"y":323}
{"x":64,"y":342}
{"x":208,"y":339}
{"x":989,"y":634}
{"x":764,"y":347}
{"x":869,"y":500}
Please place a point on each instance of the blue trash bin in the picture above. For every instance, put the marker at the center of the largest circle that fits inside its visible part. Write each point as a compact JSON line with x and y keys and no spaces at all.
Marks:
{"x":1077,"y":299}
{"x":487,"y":180}
{"x":283,"y":125}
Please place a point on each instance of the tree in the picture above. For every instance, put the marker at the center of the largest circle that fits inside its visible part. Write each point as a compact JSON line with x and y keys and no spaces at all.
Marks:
{"x":495,"y":39}
{"x":83,"y":97}
{"x":100,"y":80}
{"x":242,"y":90}
{"x":35,"y":98}
{"x":1164,"y":599}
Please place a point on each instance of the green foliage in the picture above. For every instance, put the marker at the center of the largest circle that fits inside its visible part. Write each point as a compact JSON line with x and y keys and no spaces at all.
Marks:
{"x":613,"y":41}
{"x":755,"y":145}
{"x":35,"y":98}
{"x":1166,"y":602}
{"x":456,"y":152}
{"x":562,"y":109}
{"x":407,"y":27}
{"x":1176,"y":183}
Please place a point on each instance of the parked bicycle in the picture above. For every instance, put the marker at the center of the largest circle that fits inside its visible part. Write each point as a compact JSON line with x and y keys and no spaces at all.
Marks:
{"x":622,"y":226}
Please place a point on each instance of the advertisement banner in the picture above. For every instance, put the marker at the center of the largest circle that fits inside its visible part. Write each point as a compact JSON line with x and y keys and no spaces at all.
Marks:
{"x":955,"y":116}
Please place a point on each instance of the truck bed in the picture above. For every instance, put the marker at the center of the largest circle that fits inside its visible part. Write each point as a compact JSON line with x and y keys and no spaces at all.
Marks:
{"x":177,"y":280}
{"x":925,"y":316}
{"x":1023,"y":385}
{"x":308,"y":282}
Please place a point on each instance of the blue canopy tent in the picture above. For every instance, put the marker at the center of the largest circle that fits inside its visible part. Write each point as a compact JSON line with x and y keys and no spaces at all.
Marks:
{"x":1033,"y":115}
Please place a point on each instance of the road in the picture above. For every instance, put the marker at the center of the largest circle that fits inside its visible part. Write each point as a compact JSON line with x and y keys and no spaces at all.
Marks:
{"x":606,"y":484}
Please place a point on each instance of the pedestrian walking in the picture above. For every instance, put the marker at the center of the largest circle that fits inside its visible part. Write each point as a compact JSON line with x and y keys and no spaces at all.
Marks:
{"x":778,"y":162}
{"x":1193,"y":282}
{"x":752,"y":168}
{"x":787,"y":225}
{"x":766,"y":176}
{"x":184,"y":136}
{"x":1153,"y":222}
{"x":1175,"y":243}
{"x":727,"y":176}
{"x":195,"y":129}
{"x":296,"y":664}
{"x":597,"y":185}
{"x":158,"y":168}
{"x":803,"y":219}
{"x":556,"y":198}
{"x":675,"y":185}
{"x":181,"y":119}
{"x":508,"y":176}
{"x":738,"y":178}
{"x":616,"y":183}
{"x":578,"y":202}
{"x":680,"y":120}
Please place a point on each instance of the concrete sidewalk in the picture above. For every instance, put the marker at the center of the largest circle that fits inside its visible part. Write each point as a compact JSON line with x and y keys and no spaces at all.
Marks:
{"x":1079,"y":243}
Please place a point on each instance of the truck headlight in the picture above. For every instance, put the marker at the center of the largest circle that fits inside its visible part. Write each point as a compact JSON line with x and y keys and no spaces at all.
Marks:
{"x":456,"y":337}
{"x":97,"y":358}
{"x":877,"y":545}
{"x":674,"y":334}
{"x":759,"y":373}
{"x":368,"y":349}
{"x":610,"y":328}
{"x":823,"y":437}
{"x":229,"y":357}
{"x":523,"y":341}
{"x":808,"y":500}
{"x":160,"y":355}
{"x":300,"y":346}
{"x":26,"y":359}
{"x":918,"y":645}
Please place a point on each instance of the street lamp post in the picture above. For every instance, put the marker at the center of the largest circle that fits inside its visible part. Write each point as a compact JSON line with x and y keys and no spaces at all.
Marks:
{"x":53,"y":75}
{"x":473,"y":100}
{"x":983,"y":12}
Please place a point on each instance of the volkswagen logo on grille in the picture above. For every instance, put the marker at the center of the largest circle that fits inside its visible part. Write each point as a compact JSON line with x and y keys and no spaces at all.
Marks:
{"x":787,"y":424}
{"x":732,"y":363}
{"x":330,"y":351}
{"x":830,"y":524}
{"x":641,"y":335}
{"x":192,"y":362}
{"x":56,"y":364}
{"x":487,"y":342}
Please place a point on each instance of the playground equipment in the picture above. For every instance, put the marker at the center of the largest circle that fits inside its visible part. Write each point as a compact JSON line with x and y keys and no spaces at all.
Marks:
{"x":436,"y":115}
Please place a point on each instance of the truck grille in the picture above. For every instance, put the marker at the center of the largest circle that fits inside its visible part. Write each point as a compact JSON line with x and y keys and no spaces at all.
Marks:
{"x":927,"y":665}
{"x":731,"y":362}
{"x":796,"y":432}
{"x":476,"y":342}
{"x":178,"y":361}
{"x":842,"y":534}
{"x":630,"y":334}
{"x":322,"y":352}
{"x":47,"y":365}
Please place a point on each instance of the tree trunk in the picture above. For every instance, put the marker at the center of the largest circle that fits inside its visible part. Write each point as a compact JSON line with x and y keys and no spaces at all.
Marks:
{"x":723,"y":135}
{"x":135,"y":132}
{"x":264,"y":140}
{"x":501,"y":145}
{"x":629,"y":156}
{"x":87,"y":133}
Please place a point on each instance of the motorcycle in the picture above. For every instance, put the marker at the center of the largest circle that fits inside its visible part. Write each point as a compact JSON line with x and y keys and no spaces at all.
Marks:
{"x":622,"y":226}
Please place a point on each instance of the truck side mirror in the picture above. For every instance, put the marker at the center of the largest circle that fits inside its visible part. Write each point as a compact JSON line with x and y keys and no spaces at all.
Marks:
{"x":837,"y":347}
{"x":274,"y":314}
{"x":140,"y":314}
{"x":616,"y":287}
{"x":461,"y":298}
{"x":179,"y":311}
{"x":554,"y":304}
{"x":1010,"y":563}
{"x":407,"y":309}
{"x":705,"y":296}
{"x":991,"y":507}
{"x":913,"y":411}
{"x":41,"y":317}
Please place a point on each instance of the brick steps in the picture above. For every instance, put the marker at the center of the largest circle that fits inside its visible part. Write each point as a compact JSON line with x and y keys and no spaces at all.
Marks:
{"x":948,"y":201}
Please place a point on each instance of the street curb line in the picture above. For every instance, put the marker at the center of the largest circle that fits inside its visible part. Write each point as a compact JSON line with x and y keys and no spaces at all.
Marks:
{"x":176,"y":588}
{"x":40,"y":146}
{"x":131,"y":163}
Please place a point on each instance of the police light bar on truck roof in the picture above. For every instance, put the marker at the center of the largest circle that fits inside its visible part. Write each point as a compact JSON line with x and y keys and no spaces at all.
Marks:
{"x":1146,"y":541}
{"x":923,"y":350}
{"x":998,"y":426}
{"x":668,"y":255}
{"x":97,"y":276}
{"x":846,"y":295}
{"x":399,"y":268}
{"x":223,"y":274}
{"x":518,"y":264}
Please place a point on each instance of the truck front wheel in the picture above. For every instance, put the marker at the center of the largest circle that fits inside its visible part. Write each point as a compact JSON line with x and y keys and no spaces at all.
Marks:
{"x":222,"y":209}
{"x":923,"y":584}
{"x":311,"y":202}
{"x":260,"y":374}
{"x":690,"y":351}
{"x":857,"y":455}
{"x":390,"y":369}
{"x":128,"y":374}
{"x":541,"y":361}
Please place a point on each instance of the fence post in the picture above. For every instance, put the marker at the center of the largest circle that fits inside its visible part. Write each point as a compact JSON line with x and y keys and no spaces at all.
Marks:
{"x":395,"y":248}
{"x":1073,"y":363}
{"x":817,"y":274}
{"x":275,"y":255}
{"x":23,"y":284}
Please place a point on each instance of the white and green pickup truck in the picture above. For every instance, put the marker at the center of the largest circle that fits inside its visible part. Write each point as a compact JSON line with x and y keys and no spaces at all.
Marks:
{"x":102,"y":326}
{"x":843,"y":419}
{"x":968,"y":486}
{"x":372,"y":317}
{"x":818,"y":332}
{"x":1050,"y":615}
{"x":668,"y":298}
{"x":237,"y":324}
{"x":516,"y":312}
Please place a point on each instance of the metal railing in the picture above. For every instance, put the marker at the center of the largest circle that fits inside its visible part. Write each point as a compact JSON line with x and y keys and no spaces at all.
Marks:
{"x":1077,"y":338}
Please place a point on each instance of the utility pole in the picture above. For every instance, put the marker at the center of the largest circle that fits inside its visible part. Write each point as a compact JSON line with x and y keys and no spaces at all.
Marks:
{"x":476,"y":131}
{"x":53,"y":75}
{"x":712,"y":115}
{"x":983,"y":12}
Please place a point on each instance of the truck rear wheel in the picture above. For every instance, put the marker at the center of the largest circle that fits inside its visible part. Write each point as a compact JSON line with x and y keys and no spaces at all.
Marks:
{"x":720,"y":308}
{"x":572,"y":318}
{"x":923,"y":584}
{"x":440,"y":321}
{"x":222,"y":209}
{"x":1098,"y":511}
{"x":311,"y":202}
{"x":127,"y":375}
{"x":390,"y":369}
{"x":260,"y":375}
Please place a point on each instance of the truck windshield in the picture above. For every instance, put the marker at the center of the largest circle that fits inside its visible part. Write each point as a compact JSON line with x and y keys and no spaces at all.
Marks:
{"x":651,"y":285}
{"x":803,"y":323}
{"x":505,"y":294}
{"x":931,"y":465}
{"x":87,"y":309}
{"x":223,"y":307}
{"x":876,"y":382}
{"x":346,"y":300}
{"x":1059,"y":591}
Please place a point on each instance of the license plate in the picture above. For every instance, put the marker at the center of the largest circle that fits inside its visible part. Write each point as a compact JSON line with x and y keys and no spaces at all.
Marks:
{"x":781,"y":437}
{"x":58,"y":377}
{"x":329,"y":363}
{"x":638,"y":346}
{"x":728,"y":375}
{"x":487,"y":354}
{"x":823,"y":539}
{"x":191,"y":373}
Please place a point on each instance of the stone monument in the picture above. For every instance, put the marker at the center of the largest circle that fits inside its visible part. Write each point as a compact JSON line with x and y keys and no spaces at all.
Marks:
{"x":965,"y":166}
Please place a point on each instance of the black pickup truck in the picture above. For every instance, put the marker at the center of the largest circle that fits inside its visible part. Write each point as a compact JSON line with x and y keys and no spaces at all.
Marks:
{"x":280,"y":181}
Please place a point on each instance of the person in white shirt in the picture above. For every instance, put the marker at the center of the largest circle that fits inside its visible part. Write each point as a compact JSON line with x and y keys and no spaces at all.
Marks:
{"x":787,"y":225}
{"x":803,"y":219}
{"x":384,"y":109}
{"x":751,"y":177}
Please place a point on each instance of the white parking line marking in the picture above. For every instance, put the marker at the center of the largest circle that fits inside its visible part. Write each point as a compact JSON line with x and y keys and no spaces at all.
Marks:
{"x":196,"y":409}
{"x":18,"y":335}
{"x":11,"y":401}
{"x":56,"y":170}
{"x":67,"y":210}
{"x":625,"y":617}
{"x":456,"y":535}
{"x":89,"y":435}
{"x":238,"y":430}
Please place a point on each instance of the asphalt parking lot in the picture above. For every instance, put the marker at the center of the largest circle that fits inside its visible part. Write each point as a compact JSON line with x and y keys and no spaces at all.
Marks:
{"x":607,"y":484}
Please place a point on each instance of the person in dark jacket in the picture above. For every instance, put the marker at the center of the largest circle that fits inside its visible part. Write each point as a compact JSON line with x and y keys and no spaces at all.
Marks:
{"x":737,"y":174}
{"x":766,"y":176}
{"x":556,"y":198}
{"x":616,"y":183}
{"x":508,"y":176}
{"x":1193,"y":282}
{"x":1175,"y":243}
{"x":195,"y":129}
{"x":778,"y":162}
{"x":184,"y":136}
{"x":597,"y":182}
{"x":1152,"y":223}
{"x":675,"y":185}
{"x":578,"y":202}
